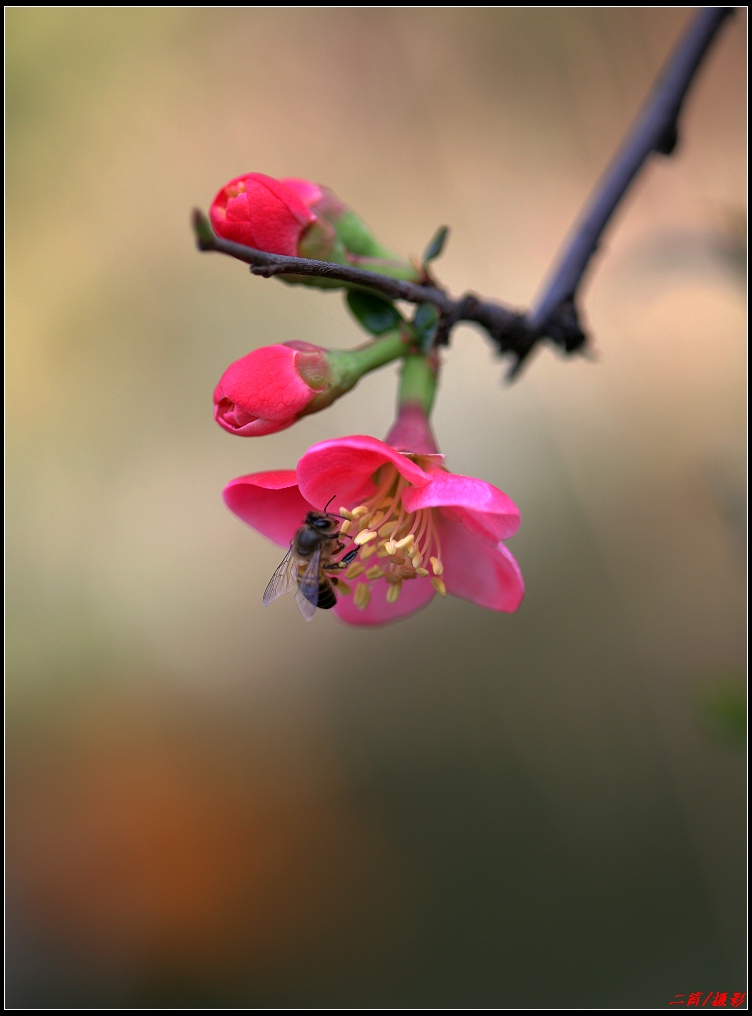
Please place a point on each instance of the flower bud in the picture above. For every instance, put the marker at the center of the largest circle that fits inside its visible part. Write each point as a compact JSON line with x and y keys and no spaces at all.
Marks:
{"x":301,"y":219}
{"x":268,"y":389}
{"x":272,"y":387}
{"x":259,"y":211}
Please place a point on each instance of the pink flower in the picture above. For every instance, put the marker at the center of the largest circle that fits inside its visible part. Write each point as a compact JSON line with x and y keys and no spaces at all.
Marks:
{"x":301,"y":219}
{"x":419,"y":529}
{"x":259,"y":211}
{"x":268,"y":389}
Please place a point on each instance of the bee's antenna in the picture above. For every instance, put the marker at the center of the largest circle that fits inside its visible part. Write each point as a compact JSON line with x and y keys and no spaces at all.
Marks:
{"x":326,"y":506}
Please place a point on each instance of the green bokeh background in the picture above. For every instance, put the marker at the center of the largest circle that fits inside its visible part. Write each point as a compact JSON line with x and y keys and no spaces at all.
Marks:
{"x":214,"y":805}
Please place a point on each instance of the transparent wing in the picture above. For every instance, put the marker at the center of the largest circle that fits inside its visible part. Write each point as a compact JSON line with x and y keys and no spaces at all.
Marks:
{"x":284,"y":579}
{"x":307,"y":596}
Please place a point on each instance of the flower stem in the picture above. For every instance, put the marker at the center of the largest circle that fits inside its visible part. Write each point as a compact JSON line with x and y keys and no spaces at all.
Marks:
{"x":417,"y":390}
{"x":418,"y":380}
{"x":347,"y":366}
{"x":388,"y":347}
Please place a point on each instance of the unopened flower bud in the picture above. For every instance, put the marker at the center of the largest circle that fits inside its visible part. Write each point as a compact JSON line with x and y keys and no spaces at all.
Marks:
{"x":299,"y":218}
{"x":272,"y":387}
{"x":268,"y":389}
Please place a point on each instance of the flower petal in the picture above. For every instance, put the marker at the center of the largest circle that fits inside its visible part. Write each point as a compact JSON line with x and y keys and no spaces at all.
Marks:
{"x":473,"y":570}
{"x":414,"y":595}
{"x":343,"y":469}
{"x":261,"y":212}
{"x":482,"y":508}
{"x":265,"y":383}
{"x":269,"y":502}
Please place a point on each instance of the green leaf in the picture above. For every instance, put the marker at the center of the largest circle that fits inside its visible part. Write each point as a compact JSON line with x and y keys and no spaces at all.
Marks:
{"x":436,"y":246}
{"x":376,"y":314}
{"x":202,"y":229}
{"x":425,"y":323}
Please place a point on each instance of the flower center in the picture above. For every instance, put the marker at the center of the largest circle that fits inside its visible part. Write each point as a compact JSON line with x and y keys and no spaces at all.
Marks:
{"x":399,"y":544}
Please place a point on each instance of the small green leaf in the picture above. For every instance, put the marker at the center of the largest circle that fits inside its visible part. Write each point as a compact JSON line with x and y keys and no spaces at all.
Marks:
{"x":376,"y":314}
{"x":436,"y":246}
{"x":202,"y":229}
{"x":425,"y":323}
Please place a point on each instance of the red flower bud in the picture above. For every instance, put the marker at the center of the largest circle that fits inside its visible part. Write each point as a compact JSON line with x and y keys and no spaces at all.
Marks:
{"x":268,"y":389}
{"x":259,"y":211}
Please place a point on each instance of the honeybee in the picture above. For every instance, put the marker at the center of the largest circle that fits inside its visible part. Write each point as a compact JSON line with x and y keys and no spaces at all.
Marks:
{"x":308,"y":565}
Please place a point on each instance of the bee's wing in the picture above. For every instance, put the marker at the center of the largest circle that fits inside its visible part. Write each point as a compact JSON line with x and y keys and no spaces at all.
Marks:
{"x":284,"y":579}
{"x":307,"y":596}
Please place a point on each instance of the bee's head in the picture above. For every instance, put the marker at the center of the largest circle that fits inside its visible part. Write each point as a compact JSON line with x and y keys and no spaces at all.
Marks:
{"x":324,"y":523}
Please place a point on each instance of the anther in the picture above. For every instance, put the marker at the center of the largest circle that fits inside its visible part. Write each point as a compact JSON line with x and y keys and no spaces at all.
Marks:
{"x":387,"y":529}
{"x":392,"y":593}
{"x":437,"y":566}
{"x":365,"y":536}
{"x":362,"y":596}
{"x":439,"y":586}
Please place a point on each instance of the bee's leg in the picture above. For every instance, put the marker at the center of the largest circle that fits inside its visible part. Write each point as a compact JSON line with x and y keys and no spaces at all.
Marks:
{"x":349,"y":556}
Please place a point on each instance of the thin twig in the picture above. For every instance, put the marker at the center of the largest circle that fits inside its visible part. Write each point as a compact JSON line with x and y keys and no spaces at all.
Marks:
{"x":554,"y":316}
{"x":655,"y":130}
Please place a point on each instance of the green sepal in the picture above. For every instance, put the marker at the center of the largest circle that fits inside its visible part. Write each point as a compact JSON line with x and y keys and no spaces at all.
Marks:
{"x":436,"y":246}
{"x":425,"y":324}
{"x":376,"y":314}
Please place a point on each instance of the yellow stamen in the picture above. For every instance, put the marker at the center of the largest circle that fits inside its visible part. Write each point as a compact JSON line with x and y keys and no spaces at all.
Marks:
{"x":437,"y":566}
{"x":390,"y":547}
{"x":362,"y":596}
{"x":387,"y":529}
{"x":392,"y":593}
{"x":406,"y":541}
{"x":422,"y":572}
{"x":353,"y":570}
{"x":375,"y":572}
{"x":377,"y":519}
{"x":439,"y":586}
{"x":346,"y":514}
{"x":416,"y":560}
{"x":343,"y":588}
{"x":346,"y":526}
{"x":368,"y":551}
{"x":364,"y":537}
{"x":382,"y":552}
{"x":360,"y":511}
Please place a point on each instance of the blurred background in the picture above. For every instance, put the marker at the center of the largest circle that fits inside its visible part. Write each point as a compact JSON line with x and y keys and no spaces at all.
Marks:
{"x":214,"y":805}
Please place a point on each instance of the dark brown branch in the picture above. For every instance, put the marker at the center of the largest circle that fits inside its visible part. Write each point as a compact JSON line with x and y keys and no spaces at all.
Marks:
{"x":554,"y":316}
{"x":655,"y":130}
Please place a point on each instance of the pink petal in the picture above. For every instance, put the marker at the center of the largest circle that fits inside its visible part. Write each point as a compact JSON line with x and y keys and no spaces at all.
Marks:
{"x":343,"y":469}
{"x":473,"y":570}
{"x":265,"y":214}
{"x":415,"y":594}
{"x":266,"y":384}
{"x":269,"y":502}
{"x":482,"y":508}
{"x":307,"y":191}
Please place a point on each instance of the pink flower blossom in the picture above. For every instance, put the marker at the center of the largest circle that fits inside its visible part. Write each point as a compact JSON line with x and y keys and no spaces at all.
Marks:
{"x":259,"y":211}
{"x":268,"y":389}
{"x":300,"y":218}
{"x":419,"y":529}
